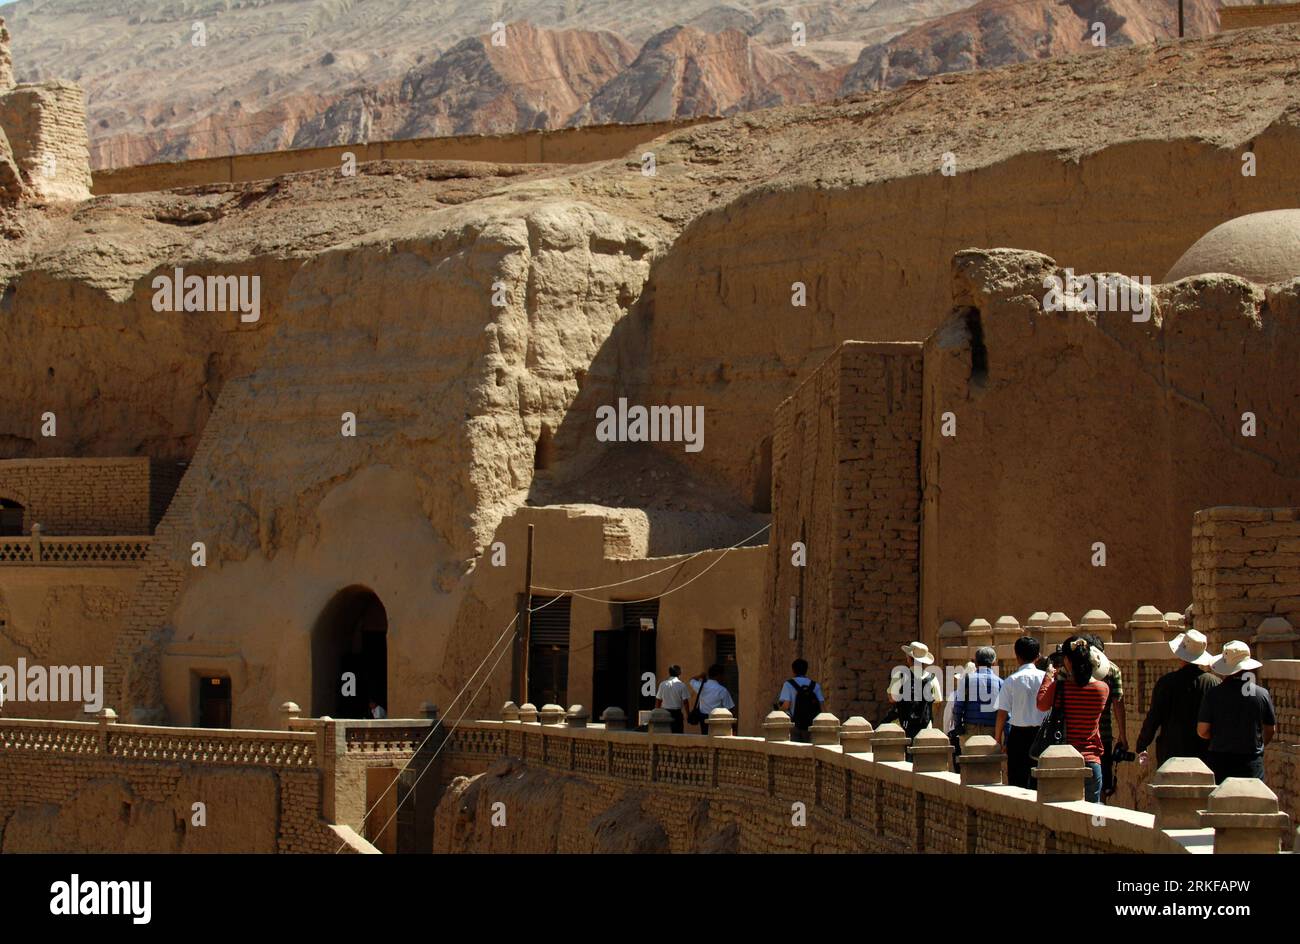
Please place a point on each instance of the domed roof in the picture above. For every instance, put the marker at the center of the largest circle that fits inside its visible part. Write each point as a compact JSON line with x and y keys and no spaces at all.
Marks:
{"x":1259,"y":247}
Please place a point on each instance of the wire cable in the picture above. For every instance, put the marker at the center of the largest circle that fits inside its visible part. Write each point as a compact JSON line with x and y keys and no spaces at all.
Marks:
{"x":434,"y":727}
{"x":446,"y":740}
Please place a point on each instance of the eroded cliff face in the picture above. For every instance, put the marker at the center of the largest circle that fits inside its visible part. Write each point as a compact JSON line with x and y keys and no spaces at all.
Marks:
{"x":1077,"y":428}
{"x":465,"y":313}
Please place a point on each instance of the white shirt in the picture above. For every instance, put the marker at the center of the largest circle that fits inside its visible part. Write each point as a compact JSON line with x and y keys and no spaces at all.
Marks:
{"x":378,"y":712}
{"x":1019,"y":697}
{"x":905,"y":688}
{"x":673,"y":693}
{"x":715,"y":695}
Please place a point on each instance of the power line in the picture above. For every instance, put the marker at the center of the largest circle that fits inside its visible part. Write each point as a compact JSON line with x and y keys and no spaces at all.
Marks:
{"x":501,"y":654}
{"x":437,"y":724}
{"x":446,"y":740}
{"x":712,"y":564}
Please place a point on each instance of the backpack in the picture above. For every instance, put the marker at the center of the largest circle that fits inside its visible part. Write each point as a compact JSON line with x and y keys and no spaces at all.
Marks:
{"x":915,"y":715}
{"x":805,"y":706}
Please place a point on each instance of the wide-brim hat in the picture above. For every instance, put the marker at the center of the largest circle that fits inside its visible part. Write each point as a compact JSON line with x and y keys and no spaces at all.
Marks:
{"x":1235,"y":658}
{"x":919,"y":651}
{"x":1192,"y":647}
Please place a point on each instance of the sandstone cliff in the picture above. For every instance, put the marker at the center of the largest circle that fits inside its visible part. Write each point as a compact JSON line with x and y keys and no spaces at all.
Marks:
{"x":474,"y":316}
{"x":683,"y":72}
{"x":997,"y":32}
{"x":171,"y":81}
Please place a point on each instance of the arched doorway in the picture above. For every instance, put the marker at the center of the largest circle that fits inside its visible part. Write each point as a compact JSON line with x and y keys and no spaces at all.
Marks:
{"x":11,"y":518}
{"x":350,"y":636}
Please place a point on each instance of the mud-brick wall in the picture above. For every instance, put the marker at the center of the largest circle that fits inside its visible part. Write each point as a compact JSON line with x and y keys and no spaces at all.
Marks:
{"x":80,"y":497}
{"x":592,"y":790}
{"x":1242,"y":17}
{"x":846,"y":483}
{"x":77,"y":800}
{"x":1245,"y":568}
{"x":46,"y":127}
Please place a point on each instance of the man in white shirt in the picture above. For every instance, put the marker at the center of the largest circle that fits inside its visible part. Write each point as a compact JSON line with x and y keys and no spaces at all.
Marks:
{"x":673,"y":696}
{"x":377,"y":710}
{"x":1018,"y":715}
{"x":711,"y":693}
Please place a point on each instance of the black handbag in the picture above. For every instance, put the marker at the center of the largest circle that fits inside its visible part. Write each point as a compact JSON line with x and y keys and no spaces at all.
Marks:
{"x":695,"y":716}
{"x":1052,"y":731}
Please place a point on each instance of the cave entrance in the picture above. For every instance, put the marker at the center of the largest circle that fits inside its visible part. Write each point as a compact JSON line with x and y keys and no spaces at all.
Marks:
{"x":11,"y":518}
{"x":349,"y":655}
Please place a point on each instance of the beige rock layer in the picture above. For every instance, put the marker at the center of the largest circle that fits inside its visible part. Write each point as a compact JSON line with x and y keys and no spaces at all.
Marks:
{"x":676,"y":289}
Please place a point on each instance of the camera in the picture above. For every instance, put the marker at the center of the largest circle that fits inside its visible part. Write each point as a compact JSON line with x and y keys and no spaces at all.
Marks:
{"x":1120,"y":756}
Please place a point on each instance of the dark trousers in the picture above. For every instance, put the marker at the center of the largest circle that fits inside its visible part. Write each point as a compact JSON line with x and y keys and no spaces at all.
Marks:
{"x":1019,"y":740}
{"x":1235,"y":765}
{"x":678,"y":720}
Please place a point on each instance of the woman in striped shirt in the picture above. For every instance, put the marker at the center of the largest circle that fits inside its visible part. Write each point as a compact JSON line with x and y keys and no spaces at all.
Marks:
{"x":1084,"y":698}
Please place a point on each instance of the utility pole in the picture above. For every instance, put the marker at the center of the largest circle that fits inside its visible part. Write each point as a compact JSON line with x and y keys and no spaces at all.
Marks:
{"x":525,"y":630}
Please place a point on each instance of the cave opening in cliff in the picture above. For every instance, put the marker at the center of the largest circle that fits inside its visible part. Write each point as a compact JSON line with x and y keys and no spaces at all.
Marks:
{"x":544,"y":454}
{"x":349,"y":655}
{"x":11,"y":518}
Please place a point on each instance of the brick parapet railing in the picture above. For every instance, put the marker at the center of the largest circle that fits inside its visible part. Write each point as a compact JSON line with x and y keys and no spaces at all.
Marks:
{"x":45,"y":551}
{"x":245,"y":748}
{"x":1142,"y":664}
{"x":886,"y":804}
{"x":319,"y":767}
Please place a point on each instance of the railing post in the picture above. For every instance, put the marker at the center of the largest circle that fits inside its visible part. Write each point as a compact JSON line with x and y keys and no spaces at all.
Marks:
{"x":106,"y":717}
{"x":889,"y":743}
{"x":824,"y":730}
{"x":777,"y":726}
{"x":1181,"y":787}
{"x":614,"y":719}
{"x":980,"y":762}
{"x":721,"y":722}
{"x":576,"y":716}
{"x":290,"y":712}
{"x":931,"y":752}
{"x":855,"y":735}
{"x":661,"y":722}
{"x":36,"y":543}
{"x":1060,"y":773}
{"x":1245,"y":817}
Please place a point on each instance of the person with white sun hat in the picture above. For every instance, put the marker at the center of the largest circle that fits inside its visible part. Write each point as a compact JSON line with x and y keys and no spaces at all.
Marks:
{"x":1237,"y":717}
{"x":1176,"y":702}
{"x":913,"y":691}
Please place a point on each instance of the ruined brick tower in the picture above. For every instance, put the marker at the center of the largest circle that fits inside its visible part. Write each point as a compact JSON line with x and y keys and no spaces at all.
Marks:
{"x":44,"y":145}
